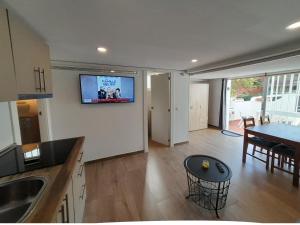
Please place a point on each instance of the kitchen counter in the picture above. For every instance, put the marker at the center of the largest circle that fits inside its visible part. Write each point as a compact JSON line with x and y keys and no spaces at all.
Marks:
{"x":58,"y":178}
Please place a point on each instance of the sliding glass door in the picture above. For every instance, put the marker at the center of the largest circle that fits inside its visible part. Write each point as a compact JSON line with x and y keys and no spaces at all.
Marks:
{"x":245,"y":100}
{"x":277,"y":96}
{"x":282,"y":99}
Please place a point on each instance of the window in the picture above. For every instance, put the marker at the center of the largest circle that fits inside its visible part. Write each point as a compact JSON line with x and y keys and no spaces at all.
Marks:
{"x":295,"y":83}
{"x":280,"y":85}
{"x":287,"y":84}
{"x":269,"y":85}
{"x":275,"y":85}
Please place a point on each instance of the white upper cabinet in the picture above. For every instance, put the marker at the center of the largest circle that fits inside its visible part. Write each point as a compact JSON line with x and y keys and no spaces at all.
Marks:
{"x":27,"y":62}
{"x":7,"y":75}
{"x":44,"y":64}
{"x":31,"y":56}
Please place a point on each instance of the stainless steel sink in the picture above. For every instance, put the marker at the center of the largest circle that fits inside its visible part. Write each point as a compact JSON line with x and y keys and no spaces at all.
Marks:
{"x":18,"y":198}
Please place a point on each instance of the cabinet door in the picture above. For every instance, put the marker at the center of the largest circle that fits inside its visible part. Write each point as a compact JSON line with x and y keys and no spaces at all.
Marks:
{"x":79,"y":190}
{"x":26,"y":46}
{"x":79,"y":196}
{"x":69,"y":202}
{"x":65,"y":213}
{"x":44,"y":64}
{"x":7,"y":74}
{"x":198,"y":113}
{"x":204,"y":106}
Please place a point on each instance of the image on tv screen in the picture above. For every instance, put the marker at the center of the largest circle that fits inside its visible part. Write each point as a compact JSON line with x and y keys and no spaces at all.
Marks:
{"x":106,"y":89}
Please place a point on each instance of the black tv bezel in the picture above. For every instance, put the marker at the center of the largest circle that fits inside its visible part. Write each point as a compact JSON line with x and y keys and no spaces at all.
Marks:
{"x":99,"y":103}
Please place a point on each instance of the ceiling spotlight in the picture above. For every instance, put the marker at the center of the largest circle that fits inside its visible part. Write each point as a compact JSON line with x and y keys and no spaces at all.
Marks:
{"x":112,"y":71}
{"x":293,"y":26}
{"x":194,"y":60}
{"x":102,"y":49}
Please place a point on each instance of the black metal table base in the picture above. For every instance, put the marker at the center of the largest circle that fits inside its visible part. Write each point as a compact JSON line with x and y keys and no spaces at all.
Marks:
{"x":216,"y":210}
{"x":208,"y":188}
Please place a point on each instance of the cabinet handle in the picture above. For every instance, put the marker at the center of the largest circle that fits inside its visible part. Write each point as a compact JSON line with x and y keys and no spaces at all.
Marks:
{"x":67,"y":208}
{"x":44,"y":83}
{"x":38,"y":71}
{"x":62,"y":211}
{"x":82,"y":194}
{"x":81,"y":154}
{"x":80,"y":170}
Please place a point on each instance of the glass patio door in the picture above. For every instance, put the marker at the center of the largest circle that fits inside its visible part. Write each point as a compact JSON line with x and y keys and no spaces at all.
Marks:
{"x":283,"y":98}
{"x":277,"y":96}
{"x":245,"y":99}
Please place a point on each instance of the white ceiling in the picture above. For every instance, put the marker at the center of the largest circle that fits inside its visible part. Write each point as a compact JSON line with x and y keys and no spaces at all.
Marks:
{"x":158,"y":33}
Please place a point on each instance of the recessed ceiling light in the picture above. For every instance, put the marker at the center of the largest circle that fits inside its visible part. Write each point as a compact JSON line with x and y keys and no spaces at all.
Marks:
{"x":293,"y":26}
{"x":112,"y":71}
{"x":101,"y":49}
{"x":194,"y":60}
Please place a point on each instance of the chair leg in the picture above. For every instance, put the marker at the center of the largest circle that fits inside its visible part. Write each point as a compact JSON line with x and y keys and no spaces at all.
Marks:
{"x":254,"y":149}
{"x":261,"y":149}
{"x":272,"y":162}
{"x":278,"y":160}
{"x":282,"y":161}
{"x":268,"y":159}
{"x":290,"y":162}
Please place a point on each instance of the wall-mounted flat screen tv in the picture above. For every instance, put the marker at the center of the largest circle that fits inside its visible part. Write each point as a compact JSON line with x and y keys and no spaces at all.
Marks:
{"x":97,"y":89}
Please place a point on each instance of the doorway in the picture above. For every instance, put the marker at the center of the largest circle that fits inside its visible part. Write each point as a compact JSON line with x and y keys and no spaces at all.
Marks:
{"x":246,"y":96}
{"x":29,"y":121}
{"x":159,"y":109}
{"x":32,"y":119}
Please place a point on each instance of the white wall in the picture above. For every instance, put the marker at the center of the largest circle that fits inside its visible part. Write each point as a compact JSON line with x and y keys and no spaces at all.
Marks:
{"x":6,"y":132}
{"x":181,"y":107}
{"x":110,"y":129}
{"x":215,"y":88}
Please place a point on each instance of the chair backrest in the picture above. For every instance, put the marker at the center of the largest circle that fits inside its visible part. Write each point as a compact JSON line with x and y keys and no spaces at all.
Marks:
{"x":249,"y":122}
{"x":264,"y":119}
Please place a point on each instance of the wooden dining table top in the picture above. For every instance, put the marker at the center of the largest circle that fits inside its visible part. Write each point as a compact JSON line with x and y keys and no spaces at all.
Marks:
{"x":281,"y":131}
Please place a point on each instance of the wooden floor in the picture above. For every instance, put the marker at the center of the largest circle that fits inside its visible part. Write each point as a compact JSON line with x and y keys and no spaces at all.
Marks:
{"x":153,"y":186}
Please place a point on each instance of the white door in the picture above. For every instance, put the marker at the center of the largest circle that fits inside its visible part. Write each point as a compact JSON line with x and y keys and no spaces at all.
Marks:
{"x":198,"y":106}
{"x":43,"y":119}
{"x":160,"y":108}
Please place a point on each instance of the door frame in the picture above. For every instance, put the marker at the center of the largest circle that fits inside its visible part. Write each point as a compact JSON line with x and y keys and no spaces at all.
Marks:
{"x":228,"y":96}
{"x":145,"y":108}
{"x":46,"y":133}
{"x":44,"y":107}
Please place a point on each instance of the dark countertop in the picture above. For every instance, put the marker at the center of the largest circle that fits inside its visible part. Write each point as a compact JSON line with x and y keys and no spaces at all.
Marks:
{"x":57,"y":173}
{"x":35,"y":156}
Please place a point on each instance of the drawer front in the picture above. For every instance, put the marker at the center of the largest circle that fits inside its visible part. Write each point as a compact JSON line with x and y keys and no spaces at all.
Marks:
{"x":79,"y":196}
{"x":79,"y":189}
{"x":65,"y":213}
{"x":79,"y":162}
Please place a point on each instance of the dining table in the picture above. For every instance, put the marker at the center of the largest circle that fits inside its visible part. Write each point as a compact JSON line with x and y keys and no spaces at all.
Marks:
{"x":279,"y":133}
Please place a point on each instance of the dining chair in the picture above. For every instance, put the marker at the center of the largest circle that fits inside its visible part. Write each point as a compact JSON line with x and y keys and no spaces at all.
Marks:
{"x":284,"y":152}
{"x":258,"y":142}
{"x":265,"y":120}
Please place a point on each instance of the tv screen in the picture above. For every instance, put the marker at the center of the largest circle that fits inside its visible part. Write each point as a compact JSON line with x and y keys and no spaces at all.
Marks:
{"x":97,"y":89}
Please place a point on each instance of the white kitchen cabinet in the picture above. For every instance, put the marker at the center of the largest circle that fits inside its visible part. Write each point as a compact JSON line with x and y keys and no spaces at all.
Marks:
{"x":31,"y":58}
{"x":44,"y":64}
{"x":71,"y":209}
{"x":79,"y":189}
{"x":198,"y":113}
{"x":7,"y":73}
{"x":65,"y":213}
